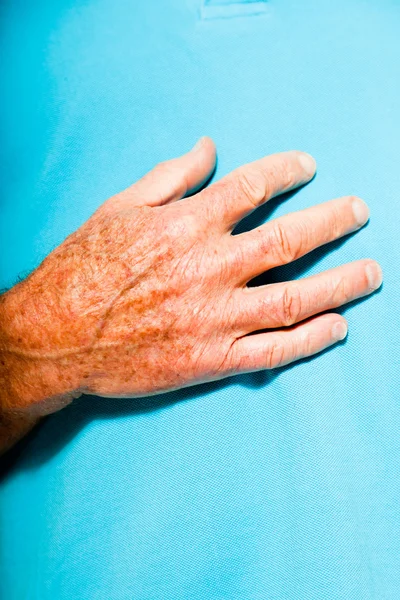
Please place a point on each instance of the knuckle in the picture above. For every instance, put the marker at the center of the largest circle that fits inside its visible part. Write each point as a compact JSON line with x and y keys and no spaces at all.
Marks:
{"x":342,"y":292}
{"x":333,"y":225}
{"x":287,"y":174}
{"x":275,"y":354}
{"x":290,"y":179}
{"x":212,"y":200}
{"x":283,"y":243}
{"x":290,"y":306}
{"x":282,"y":176}
{"x":190,"y":221}
{"x":252,"y":187}
{"x":306,"y":344}
{"x":178,"y":225}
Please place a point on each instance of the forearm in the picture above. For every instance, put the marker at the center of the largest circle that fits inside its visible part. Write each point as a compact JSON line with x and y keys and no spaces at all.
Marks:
{"x":31,"y":385}
{"x":14,"y":423}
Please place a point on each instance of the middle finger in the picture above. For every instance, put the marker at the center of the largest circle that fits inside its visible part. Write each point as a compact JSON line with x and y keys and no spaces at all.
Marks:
{"x":287,"y":238}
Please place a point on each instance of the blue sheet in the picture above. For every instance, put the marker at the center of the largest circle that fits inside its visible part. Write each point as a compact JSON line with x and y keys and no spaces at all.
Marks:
{"x":276,"y":485}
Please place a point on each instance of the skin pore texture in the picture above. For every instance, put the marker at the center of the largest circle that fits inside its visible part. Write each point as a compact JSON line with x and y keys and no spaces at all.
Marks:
{"x":150,"y":294}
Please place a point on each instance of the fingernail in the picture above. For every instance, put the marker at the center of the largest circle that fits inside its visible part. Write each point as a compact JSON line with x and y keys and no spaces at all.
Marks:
{"x":198,"y":144}
{"x":374,"y":275}
{"x":308,"y":163}
{"x":339,"y":331}
{"x":360,"y":210}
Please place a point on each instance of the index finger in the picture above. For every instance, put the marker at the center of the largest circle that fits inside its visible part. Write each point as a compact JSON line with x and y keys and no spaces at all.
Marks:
{"x":246,"y":188}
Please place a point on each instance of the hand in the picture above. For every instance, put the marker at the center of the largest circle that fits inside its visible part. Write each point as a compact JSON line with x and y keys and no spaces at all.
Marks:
{"x":150,"y":294}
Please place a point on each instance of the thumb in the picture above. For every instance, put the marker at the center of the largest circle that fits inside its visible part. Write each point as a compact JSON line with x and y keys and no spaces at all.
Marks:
{"x":173,"y":179}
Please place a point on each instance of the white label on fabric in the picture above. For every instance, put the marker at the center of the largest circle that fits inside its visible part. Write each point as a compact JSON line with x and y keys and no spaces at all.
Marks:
{"x":214,"y":9}
{"x":224,"y":2}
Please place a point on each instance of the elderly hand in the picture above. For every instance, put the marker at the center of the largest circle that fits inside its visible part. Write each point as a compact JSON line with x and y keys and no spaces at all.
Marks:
{"x":150,"y":294}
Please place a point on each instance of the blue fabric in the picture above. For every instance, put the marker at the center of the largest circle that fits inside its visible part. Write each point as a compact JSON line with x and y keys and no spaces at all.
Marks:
{"x":277,"y":485}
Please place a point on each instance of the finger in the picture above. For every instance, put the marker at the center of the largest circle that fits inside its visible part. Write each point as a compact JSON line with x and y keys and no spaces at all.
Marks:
{"x":175,"y":178}
{"x":283,"y":304}
{"x":287,"y":238}
{"x":237,"y":194}
{"x":277,"y":348}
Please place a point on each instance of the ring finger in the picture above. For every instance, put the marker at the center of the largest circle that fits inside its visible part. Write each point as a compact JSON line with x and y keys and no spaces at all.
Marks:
{"x":284,"y":304}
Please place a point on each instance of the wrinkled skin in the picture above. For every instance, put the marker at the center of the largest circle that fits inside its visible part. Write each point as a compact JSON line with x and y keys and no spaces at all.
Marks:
{"x":150,"y":294}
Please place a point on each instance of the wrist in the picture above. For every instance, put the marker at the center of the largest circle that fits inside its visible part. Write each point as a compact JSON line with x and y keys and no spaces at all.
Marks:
{"x":34,"y":379}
